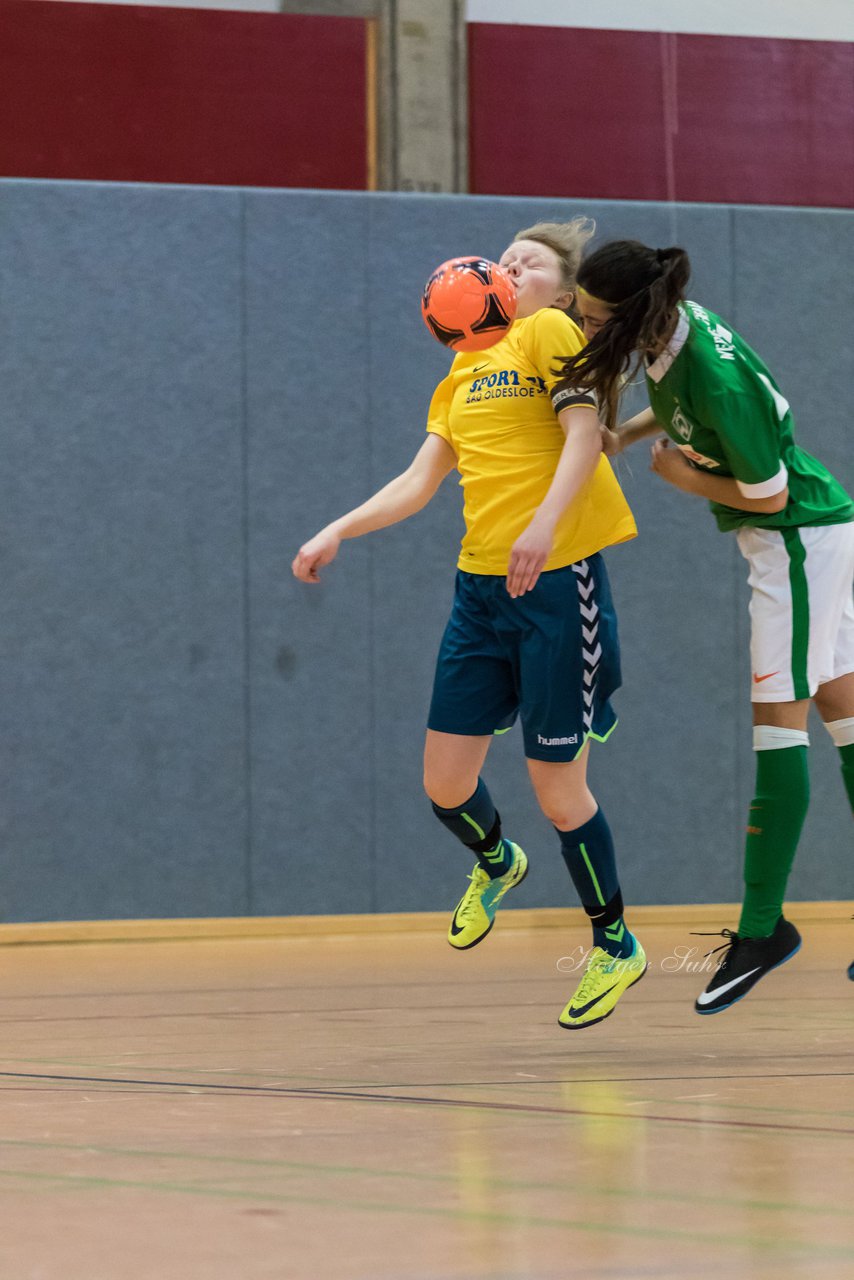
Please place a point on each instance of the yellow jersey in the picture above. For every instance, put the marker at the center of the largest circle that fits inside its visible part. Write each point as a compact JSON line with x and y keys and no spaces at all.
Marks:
{"x":495,"y":410}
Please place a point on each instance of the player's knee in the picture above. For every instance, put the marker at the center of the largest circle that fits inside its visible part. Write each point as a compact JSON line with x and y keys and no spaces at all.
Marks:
{"x":567,"y":813}
{"x":447,"y":792}
{"x":567,"y":802}
{"x":834,"y":701}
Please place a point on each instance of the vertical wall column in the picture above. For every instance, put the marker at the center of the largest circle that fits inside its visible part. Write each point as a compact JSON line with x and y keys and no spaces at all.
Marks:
{"x":417,"y":89}
{"x":422,"y":74}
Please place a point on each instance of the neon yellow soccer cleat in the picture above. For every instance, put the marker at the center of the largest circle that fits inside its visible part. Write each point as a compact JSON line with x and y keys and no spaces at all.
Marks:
{"x":475,"y":913}
{"x":601,"y":987}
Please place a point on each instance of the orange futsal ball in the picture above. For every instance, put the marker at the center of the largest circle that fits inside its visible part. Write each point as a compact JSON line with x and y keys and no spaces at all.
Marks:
{"x":468,"y":304}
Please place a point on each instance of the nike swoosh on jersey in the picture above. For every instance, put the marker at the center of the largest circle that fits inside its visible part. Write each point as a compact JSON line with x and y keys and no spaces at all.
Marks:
{"x":759,"y":679}
{"x":478,"y":367}
{"x":577,"y":1013}
{"x":706,"y":997}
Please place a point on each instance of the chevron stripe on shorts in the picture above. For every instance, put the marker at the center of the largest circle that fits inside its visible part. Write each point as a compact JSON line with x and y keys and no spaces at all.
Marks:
{"x":591,"y":649}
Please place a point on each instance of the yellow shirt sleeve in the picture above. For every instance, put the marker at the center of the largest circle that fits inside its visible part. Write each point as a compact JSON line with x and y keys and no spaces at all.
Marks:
{"x":550,"y":336}
{"x":438,"y":415}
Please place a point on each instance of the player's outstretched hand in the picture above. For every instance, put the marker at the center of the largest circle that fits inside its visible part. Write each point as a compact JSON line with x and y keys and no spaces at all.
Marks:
{"x":314,"y":555}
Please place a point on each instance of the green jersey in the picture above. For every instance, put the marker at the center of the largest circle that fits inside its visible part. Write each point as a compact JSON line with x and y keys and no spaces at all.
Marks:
{"x":719,"y":404}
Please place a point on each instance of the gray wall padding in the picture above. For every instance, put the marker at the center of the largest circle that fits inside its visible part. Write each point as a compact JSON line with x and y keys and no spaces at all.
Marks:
{"x":194,"y":381}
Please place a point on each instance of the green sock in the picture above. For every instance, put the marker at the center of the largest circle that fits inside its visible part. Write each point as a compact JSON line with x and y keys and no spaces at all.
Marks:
{"x":774,"y":828}
{"x":846,"y":755}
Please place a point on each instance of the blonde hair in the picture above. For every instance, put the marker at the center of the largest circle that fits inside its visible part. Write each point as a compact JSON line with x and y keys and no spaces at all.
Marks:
{"x":566,"y":239}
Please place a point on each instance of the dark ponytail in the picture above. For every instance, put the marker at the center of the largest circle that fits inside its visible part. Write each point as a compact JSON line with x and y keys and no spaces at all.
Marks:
{"x":644,"y":287}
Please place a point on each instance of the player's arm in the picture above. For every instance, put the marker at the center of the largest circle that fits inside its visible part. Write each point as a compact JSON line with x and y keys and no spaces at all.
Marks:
{"x":639,"y":427}
{"x":672,"y":465}
{"x":400,"y":498}
{"x":746,"y":419}
{"x":577,"y":462}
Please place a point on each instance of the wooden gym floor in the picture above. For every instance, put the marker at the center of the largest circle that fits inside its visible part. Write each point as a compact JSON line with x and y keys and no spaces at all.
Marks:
{"x":374,"y":1106}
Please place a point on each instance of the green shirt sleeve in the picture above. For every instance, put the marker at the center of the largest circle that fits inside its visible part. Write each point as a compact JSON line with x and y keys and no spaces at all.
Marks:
{"x":746,"y":419}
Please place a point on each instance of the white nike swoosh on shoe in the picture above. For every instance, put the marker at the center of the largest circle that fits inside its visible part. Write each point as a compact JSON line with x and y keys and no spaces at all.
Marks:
{"x":708,"y":996}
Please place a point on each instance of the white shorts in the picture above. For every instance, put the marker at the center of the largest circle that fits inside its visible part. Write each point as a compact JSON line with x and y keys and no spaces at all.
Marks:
{"x":801,"y":608}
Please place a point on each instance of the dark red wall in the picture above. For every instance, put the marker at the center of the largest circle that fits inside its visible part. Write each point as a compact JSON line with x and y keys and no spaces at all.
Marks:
{"x":129,"y":93}
{"x":642,"y":115}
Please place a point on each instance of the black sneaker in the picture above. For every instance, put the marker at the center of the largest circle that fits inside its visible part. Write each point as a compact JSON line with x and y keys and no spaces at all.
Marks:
{"x":745,"y":962}
{"x":851,"y":971}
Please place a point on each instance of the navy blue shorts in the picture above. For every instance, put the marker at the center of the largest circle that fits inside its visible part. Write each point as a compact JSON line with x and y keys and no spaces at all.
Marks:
{"x":551,"y":656}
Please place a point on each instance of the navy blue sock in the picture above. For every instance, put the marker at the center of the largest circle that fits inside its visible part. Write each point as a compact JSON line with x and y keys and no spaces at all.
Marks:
{"x":478,"y":825}
{"x":588,"y":852}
